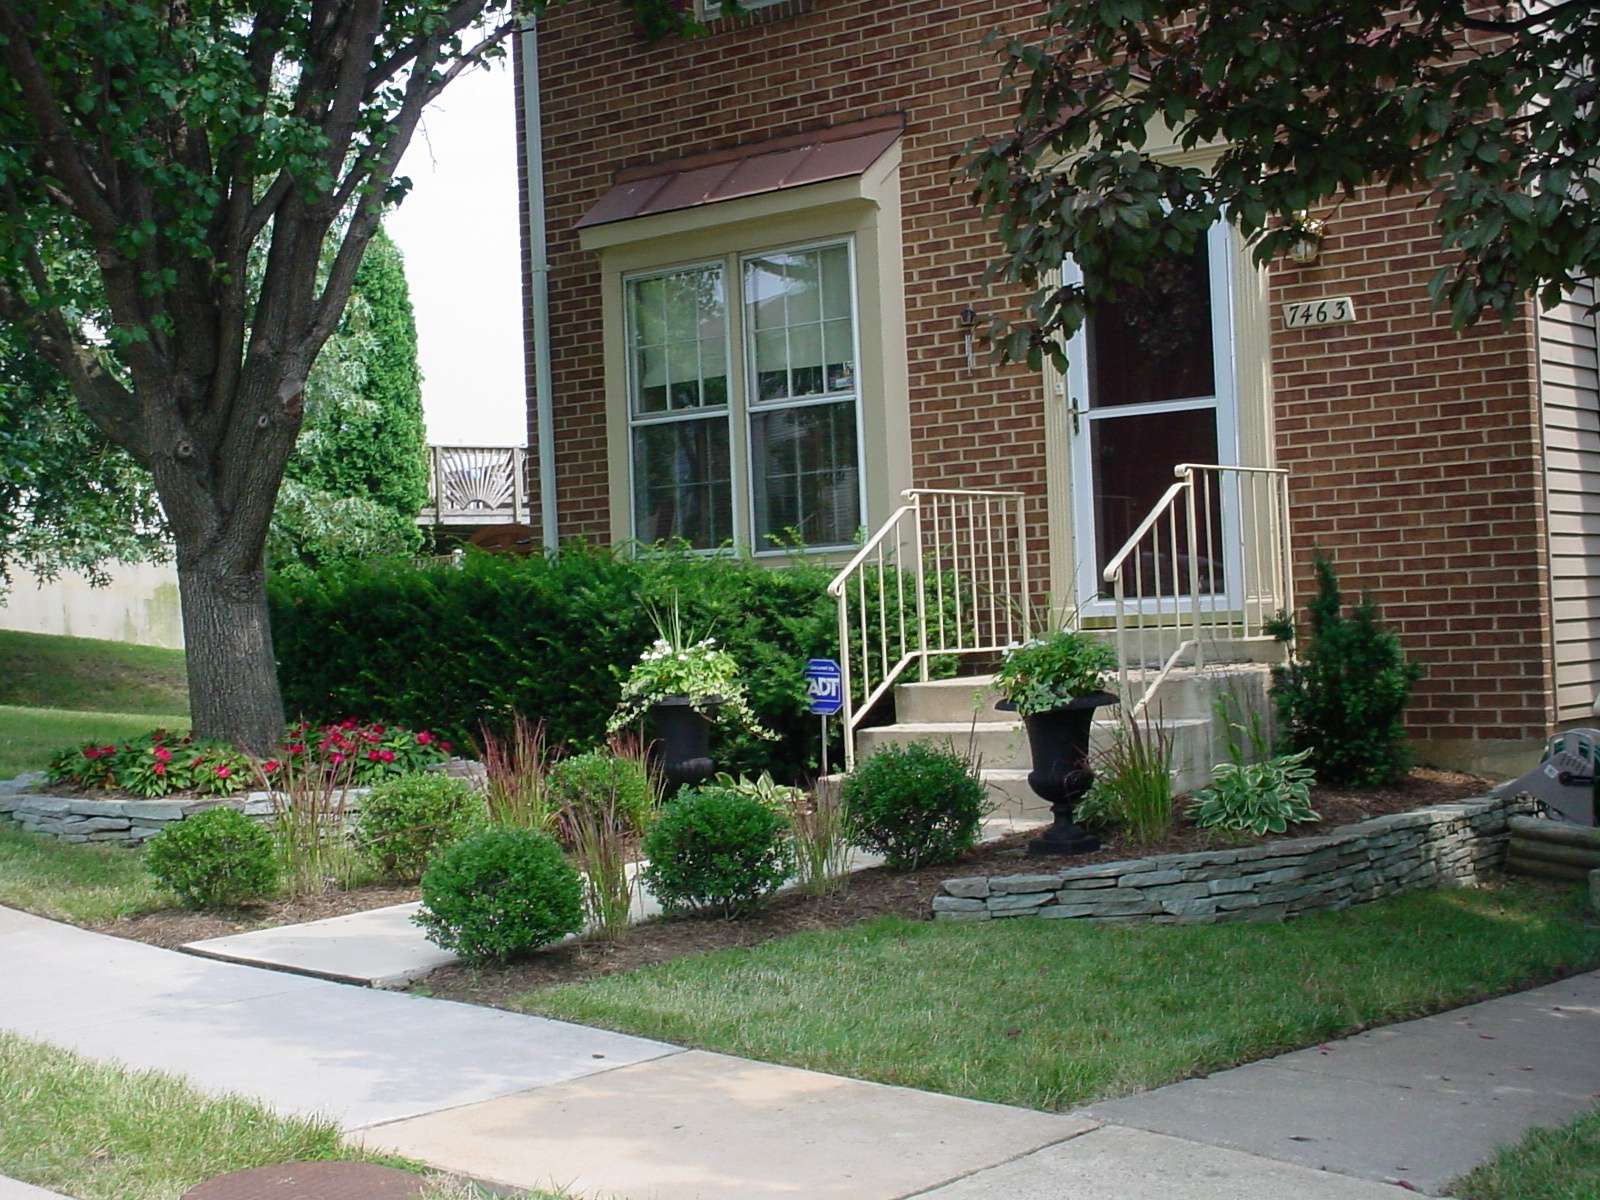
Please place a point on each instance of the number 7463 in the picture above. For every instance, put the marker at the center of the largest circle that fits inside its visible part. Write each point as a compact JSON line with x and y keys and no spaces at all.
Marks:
{"x":1333,"y":311}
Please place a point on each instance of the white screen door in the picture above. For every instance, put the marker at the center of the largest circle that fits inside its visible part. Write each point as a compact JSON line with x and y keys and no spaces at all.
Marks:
{"x":1150,"y":384}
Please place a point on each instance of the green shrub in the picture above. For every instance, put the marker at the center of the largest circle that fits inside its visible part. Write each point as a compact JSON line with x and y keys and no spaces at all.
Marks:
{"x":716,"y":849}
{"x":600,"y":781}
{"x":498,"y":892}
{"x":219,"y":858}
{"x":1259,"y":798}
{"x":403,"y":821}
{"x":915,"y":805}
{"x":1343,"y":697}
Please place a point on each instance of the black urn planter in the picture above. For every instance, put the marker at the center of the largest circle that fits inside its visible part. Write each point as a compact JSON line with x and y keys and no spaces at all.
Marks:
{"x":1059,"y":742}
{"x":682,"y":739}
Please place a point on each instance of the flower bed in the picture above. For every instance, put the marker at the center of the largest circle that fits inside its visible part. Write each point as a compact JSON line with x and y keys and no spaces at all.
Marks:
{"x":1443,"y":844}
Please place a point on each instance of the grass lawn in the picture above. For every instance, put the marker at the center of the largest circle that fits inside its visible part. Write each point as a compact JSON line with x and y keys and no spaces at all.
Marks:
{"x":30,"y":736}
{"x":98,"y":1132}
{"x":1051,"y":1014}
{"x":1549,"y":1164}
{"x":84,"y":674}
{"x":83,"y":884}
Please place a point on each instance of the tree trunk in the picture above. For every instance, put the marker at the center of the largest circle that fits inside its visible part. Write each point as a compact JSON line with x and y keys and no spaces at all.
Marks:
{"x":233,"y":676}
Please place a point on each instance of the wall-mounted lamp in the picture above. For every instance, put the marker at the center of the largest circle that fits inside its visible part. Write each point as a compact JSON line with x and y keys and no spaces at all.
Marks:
{"x":1308,"y":235}
{"x":969,"y":329}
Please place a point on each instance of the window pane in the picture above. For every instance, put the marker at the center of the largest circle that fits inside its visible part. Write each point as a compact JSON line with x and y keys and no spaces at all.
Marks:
{"x":805,"y":360}
{"x":683,"y":369}
{"x":763,"y":292}
{"x":681,"y":483}
{"x":836,"y":281}
{"x":772,"y":365}
{"x":839,"y":344}
{"x":804,"y":465}
{"x":650,"y":378}
{"x":645,"y":308}
{"x":683,"y":305}
{"x":804,"y":288}
{"x":1153,"y":342}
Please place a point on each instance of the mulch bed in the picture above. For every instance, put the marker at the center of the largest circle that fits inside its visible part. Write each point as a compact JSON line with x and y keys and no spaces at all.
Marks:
{"x":175,"y":927}
{"x":879,"y":892}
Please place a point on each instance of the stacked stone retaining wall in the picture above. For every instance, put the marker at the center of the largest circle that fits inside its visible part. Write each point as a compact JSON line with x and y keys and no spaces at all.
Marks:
{"x":127,"y":822}
{"x":1442,"y":845}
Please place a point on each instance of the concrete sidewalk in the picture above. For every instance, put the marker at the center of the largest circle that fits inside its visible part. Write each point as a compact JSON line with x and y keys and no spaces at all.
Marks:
{"x":1420,"y":1103}
{"x":10,"y":1189}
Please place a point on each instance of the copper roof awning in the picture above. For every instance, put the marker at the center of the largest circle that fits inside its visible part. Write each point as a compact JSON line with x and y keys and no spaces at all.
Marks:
{"x":834,"y":153}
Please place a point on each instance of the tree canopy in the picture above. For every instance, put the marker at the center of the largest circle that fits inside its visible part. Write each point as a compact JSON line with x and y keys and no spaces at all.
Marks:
{"x":167,"y":144}
{"x":1489,"y":109}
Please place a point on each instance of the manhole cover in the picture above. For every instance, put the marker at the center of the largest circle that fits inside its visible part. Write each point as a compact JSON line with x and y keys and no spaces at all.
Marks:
{"x":312,"y":1181}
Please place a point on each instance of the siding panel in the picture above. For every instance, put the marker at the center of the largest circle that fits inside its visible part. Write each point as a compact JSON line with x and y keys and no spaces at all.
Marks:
{"x":1569,"y":352}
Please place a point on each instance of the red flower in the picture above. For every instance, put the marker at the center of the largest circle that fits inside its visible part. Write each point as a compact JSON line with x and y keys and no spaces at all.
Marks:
{"x":374,"y":756}
{"x":162,"y":754}
{"x":445,"y":746}
{"x":370,"y":736}
{"x":224,"y":772}
{"x":160,"y":768}
{"x":424,"y":738}
{"x":196,"y":761}
{"x":91,"y":752}
{"x":297,"y":747}
{"x":348,"y":723}
{"x":386,"y":755}
{"x":378,"y":729}
{"x":269,"y":766}
{"x":336,"y":758}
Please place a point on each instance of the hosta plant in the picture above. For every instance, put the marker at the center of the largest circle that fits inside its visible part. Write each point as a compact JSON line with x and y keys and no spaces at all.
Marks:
{"x":1257,"y":798}
{"x":1049,"y":672}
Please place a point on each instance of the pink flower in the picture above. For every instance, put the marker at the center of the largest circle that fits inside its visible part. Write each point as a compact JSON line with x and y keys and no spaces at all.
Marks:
{"x":224,"y":772}
{"x":424,"y":738}
{"x":162,"y":754}
{"x":160,"y":768}
{"x":386,"y":755}
{"x":336,"y":758}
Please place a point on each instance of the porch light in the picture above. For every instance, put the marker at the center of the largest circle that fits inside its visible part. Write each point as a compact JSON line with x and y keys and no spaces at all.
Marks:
{"x":1307,"y":243}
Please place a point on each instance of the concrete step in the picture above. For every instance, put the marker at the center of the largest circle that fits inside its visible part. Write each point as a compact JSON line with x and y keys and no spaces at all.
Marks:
{"x":1002,"y":747}
{"x":1185,"y":693}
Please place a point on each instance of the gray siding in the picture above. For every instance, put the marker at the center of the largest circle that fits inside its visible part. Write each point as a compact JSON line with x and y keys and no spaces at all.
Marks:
{"x":1570,"y":371}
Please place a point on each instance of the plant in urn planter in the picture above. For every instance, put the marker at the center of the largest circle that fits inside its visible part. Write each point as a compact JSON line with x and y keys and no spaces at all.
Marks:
{"x":1056,"y":682}
{"x":683,"y":684}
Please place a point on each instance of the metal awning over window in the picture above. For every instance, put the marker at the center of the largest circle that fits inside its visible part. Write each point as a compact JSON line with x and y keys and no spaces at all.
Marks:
{"x":834,"y":153}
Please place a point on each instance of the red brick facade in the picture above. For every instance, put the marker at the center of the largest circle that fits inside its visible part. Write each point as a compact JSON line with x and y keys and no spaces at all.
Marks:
{"x":1415,"y":452}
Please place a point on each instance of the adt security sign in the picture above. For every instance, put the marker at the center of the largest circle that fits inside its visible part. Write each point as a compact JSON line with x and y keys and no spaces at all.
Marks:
{"x":823,"y":688}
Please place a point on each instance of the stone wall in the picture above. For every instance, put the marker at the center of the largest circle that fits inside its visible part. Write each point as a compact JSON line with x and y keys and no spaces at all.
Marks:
{"x":1442,"y":845}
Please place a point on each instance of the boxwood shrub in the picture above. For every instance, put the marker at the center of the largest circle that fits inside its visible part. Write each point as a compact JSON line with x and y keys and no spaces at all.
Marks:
{"x":445,"y":649}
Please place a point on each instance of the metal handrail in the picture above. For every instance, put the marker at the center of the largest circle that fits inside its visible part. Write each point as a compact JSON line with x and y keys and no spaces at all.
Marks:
{"x":964,"y":555}
{"x":1256,"y":569}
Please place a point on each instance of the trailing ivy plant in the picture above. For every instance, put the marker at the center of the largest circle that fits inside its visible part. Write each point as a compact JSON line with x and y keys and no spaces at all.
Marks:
{"x":1050,"y":672}
{"x":1341,"y":700}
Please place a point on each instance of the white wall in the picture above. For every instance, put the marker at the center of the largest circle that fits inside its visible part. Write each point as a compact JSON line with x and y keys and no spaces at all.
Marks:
{"x":139,"y":605}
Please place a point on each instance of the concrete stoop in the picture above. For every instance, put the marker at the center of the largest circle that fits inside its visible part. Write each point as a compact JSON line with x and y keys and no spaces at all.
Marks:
{"x":961,"y":714}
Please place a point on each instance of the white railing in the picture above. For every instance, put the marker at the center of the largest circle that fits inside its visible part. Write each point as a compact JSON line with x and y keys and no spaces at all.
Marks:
{"x":476,"y":485}
{"x":1211,"y":562}
{"x":947,"y":574}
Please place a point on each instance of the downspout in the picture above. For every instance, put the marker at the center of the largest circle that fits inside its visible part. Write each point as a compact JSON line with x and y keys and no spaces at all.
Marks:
{"x":539,"y":259}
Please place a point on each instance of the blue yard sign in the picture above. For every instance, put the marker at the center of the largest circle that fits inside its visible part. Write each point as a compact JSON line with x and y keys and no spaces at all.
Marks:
{"x":823,"y":686}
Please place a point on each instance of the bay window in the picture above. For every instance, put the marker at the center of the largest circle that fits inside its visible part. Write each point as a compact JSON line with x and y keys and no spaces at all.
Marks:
{"x":795,"y":409}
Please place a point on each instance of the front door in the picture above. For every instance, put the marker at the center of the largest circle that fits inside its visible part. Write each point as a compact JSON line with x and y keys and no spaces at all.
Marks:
{"x":1150,"y":384}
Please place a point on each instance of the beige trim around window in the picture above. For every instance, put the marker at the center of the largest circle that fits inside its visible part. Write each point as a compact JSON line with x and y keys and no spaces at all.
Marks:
{"x":1252,"y":370}
{"x":865,"y":209}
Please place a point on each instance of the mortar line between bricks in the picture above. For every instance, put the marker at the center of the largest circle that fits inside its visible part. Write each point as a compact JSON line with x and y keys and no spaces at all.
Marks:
{"x":1021,"y":1154}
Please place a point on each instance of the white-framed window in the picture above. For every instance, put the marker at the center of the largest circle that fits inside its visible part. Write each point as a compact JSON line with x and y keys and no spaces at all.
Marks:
{"x":803,"y":396}
{"x":678,"y":405}
{"x":795,"y":408}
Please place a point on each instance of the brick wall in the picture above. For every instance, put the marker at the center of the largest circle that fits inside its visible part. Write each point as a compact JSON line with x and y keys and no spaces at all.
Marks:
{"x":1416,"y":462}
{"x":1415,"y":451}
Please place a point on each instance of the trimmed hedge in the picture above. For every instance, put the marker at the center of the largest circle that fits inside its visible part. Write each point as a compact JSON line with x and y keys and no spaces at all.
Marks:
{"x":444,"y":649}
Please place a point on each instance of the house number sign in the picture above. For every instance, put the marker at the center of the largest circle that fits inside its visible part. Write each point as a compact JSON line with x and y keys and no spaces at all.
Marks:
{"x":1336,"y":310}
